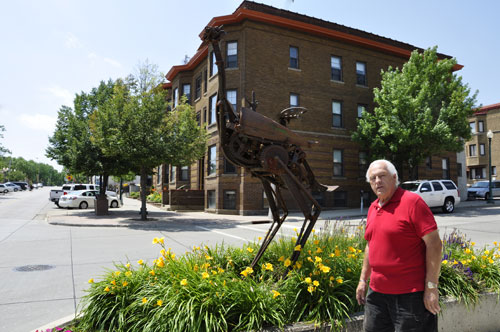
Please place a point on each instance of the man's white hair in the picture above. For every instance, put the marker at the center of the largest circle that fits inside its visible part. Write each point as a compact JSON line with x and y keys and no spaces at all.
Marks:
{"x":390,"y":167}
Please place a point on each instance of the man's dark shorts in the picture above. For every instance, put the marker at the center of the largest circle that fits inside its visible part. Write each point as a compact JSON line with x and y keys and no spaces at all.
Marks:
{"x":400,"y":313}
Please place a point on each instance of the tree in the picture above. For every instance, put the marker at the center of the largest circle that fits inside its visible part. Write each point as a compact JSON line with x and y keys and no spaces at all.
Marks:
{"x":135,"y":124}
{"x":422,"y":110}
{"x":72,"y":144}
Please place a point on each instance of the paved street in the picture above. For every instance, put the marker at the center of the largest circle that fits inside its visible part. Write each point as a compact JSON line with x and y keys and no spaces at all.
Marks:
{"x":60,"y":251}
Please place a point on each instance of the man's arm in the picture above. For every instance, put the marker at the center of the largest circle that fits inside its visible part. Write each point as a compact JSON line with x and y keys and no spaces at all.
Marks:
{"x":363,"y":279}
{"x":433,"y":254}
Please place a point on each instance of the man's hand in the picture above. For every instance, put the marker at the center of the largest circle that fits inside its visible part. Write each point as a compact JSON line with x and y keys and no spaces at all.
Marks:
{"x":361,"y":292}
{"x":431,"y":300}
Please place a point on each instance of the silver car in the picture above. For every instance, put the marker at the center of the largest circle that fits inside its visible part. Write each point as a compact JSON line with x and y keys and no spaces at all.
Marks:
{"x":482,"y":189}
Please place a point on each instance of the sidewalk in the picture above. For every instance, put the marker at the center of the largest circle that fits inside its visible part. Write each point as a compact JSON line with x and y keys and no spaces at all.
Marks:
{"x":128,"y":216}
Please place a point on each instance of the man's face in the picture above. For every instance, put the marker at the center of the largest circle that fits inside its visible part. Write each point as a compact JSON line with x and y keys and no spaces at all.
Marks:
{"x":382,"y":182}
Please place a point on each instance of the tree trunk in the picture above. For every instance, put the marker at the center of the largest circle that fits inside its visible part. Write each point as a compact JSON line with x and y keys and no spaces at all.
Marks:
{"x":144,"y":178}
{"x":101,"y":204}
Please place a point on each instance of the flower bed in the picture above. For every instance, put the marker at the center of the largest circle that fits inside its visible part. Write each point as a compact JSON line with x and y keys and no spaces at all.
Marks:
{"x":214,"y":289}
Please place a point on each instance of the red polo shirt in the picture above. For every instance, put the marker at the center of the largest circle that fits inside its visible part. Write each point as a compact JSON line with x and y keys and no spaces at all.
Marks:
{"x":397,"y":252}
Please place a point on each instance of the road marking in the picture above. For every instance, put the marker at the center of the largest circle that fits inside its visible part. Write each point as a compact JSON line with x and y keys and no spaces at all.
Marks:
{"x":222,"y":233}
{"x":263,"y":230}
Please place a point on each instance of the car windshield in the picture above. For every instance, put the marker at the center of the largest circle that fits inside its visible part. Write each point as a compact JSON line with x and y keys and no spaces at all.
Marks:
{"x":410,"y":186}
{"x":480,"y":185}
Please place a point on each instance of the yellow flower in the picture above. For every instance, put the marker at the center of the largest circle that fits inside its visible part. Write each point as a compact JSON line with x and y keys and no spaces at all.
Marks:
{"x":172,"y":256}
{"x":444,"y":262}
{"x":140,"y":262}
{"x":486,"y":252}
{"x":337,"y":252}
{"x":91,"y":281}
{"x":155,"y":240}
{"x":161,"y":240}
{"x":311,"y":289}
{"x":152,"y":272}
{"x":295,"y":230}
{"x":127,"y":266}
{"x":268,"y":266}
{"x":325,"y":269}
{"x":128,"y":273}
{"x":298,"y":248}
{"x":309,"y":258}
{"x":332,"y":278}
{"x":316,"y":242}
{"x":495,"y":243}
{"x":288,"y":262}
{"x":144,"y":300}
{"x":319,"y":250}
{"x":313,"y":230}
{"x":159,"y":303}
{"x":316,"y":283}
{"x":298,"y":265}
{"x":117,"y":273}
{"x":207,"y":257}
{"x":468,"y":251}
{"x":491,"y":261}
{"x":259,"y":238}
{"x":106,"y":289}
{"x":332,"y":255}
{"x":281,"y":259}
{"x":351,"y":249}
{"x":455,"y":262}
{"x":124,"y":284}
{"x":113,"y":282}
{"x":339,"y":280}
{"x":307,"y":280}
{"x":244,"y":273}
{"x":160,"y":263}
{"x":220,"y":270}
{"x":205,"y":275}
{"x":184,"y":282}
{"x":214,"y":272}
{"x":275,"y":294}
{"x":473,"y":243}
{"x":317,"y":259}
{"x":250,"y":249}
{"x":349,"y":270}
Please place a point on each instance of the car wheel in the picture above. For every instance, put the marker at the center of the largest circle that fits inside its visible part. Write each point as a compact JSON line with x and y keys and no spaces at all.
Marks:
{"x":15,"y":189}
{"x":84,"y":205}
{"x":448,"y":206}
{"x":5,"y":191}
{"x":114,"y":204}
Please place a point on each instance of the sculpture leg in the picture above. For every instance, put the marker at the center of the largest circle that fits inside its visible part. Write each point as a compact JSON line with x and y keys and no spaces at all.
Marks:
{"x":275,"y":204}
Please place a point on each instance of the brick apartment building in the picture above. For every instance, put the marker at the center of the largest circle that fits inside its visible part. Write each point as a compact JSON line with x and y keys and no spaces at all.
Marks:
{"x":477,"y":151}
{"x":288,"y":59}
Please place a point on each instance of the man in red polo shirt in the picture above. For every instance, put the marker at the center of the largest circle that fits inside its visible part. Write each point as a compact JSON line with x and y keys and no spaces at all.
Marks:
{"x":402,"y":258}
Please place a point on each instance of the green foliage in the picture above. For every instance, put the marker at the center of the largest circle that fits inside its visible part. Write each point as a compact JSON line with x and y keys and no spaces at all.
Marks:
{"x":154,"y":197}
{"x":422,"y":111}
{"x":31,"y":171}
{"x":134,"y":194}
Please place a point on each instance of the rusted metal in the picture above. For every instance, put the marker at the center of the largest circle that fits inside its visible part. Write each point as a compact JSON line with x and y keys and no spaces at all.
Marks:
{"x":271,"y":152}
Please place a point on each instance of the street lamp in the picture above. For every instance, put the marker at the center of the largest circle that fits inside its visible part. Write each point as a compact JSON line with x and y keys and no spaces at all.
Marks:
{"x":490,"y":196}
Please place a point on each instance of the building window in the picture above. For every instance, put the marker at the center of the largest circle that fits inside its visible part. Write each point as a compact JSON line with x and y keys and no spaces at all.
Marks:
{"x":229,"y":201}
{"x":212,"y":160}
{"x":232,"y":54}
{"x":494,"y":172}
{"x":231,"y":96}
{"x":213,"y":65}
{"x":211,"y":199}
{"x":339,"y":198}
{"x":294,"y":57}
{"x":472,"y":127}
{"x":428,"y":162}
{"x":337,"y":114}
{"x":360,"y":73}
{"x":480,"y":126}
{"x":336,"y":64}
{"x":229,"y":167}
{"x":483,"y":172}
{"x":176,"y":97}
{"x":363,"y":163}
{"x":294,"y":99}
{"x":338,"y":163}
{"x":212,"y":102}
{"x":472,"y":150}
{"x":186,"y":91}
{"x":184,"y":176}
{"x":446,"y":168}
{"x":482,"y":150}
{"x":197,"y":87}
{"x":361,"y":109}
{"x":205,"y":79}
{"x":172,"y":173}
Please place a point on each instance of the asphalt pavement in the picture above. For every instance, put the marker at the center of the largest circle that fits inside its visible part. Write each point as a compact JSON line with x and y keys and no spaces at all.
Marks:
{"x":47,"y":255}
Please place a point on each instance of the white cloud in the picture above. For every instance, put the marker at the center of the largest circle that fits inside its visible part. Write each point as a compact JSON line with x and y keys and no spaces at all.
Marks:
{"x":96,"y":59}
{"x":112,"y":62}
{"x":72,"y":41}
{"x":38,"y":122}
{"x":64,"y":96}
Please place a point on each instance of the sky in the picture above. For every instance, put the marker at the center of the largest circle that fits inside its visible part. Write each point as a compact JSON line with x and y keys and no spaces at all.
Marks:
{"x":53,"y":49}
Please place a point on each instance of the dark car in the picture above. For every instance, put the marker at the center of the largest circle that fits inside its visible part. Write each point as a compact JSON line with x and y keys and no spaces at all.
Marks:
{"x":23,"y":185}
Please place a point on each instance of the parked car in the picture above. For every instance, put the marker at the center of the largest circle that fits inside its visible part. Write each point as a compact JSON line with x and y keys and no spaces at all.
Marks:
{"x":83,"y":199}
{"x":55,"y":194}
{"x":482,"y":189}
{"x":23,"y":185}
{"x":14,"y":187}
{"x":436,"y":193}
{"x":4,"y":189}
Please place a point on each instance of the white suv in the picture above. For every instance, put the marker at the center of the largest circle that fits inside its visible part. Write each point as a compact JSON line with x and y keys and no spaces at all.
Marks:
{"x":436,"y":193}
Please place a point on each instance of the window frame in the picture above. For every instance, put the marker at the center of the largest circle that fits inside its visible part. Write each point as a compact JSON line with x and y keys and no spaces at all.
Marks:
{"x":482,"y":149}
{"x":341,"y":163}
{"x":480,"y":126}
{"x":184,"y":173}
{"x":359,"y":75}
{"x":231,"y":59}
{"x":225,"y":202}
{"x":235,"y":105}
{"x":211,"y":199}
{"x":364,"y":108}
{"x":214,"y":70}
{"x":473,"y":128}
{"x":188,"y":95}
{"x":212,"y":109}
{"x":295,"y":95}
{"x":332,"y":68}
{"x":197,"y":87}
{"x":212,"y":160}
{"x":472,"y":148}
{"x":339,"y":116}
{"x":175,"y":97}
{"x":293,"y":61}
{"x":229,"y":167}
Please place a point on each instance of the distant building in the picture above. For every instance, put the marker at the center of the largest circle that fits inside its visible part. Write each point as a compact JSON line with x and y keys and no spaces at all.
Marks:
{"x":485,"y":119}
{"x":289,"y":59}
